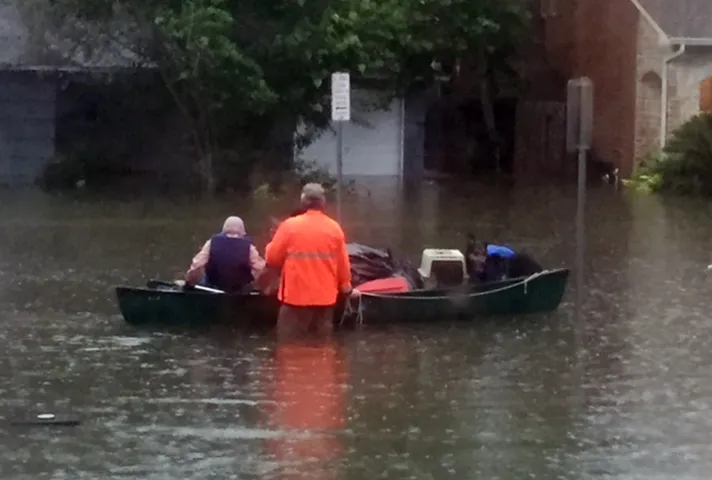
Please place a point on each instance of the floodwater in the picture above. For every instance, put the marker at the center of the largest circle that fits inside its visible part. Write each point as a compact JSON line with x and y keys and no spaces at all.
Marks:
{"x":626,"y":395}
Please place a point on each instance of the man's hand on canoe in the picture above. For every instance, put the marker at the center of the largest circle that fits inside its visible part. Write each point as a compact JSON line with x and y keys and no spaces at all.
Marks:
{"x":354,"y":293}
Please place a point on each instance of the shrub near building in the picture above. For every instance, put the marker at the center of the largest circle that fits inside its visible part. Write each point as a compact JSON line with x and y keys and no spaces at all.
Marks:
{"x":684,"y":166}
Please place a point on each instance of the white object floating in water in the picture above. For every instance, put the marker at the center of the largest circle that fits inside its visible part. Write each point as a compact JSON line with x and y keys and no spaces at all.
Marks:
{"x":709,"y":267}
{"x":45,"y":416}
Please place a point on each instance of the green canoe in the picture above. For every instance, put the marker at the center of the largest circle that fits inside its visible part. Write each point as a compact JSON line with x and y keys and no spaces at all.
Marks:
{"x":540,"y":292}
{"x":175,"y":306}
{"x":169,"y":305}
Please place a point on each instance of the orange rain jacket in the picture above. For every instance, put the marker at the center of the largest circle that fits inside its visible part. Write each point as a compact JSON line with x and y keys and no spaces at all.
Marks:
{"x":310,"y":249}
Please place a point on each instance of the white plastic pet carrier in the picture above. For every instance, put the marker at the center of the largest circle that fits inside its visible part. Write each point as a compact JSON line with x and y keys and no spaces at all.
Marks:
{"x":444,"y":267}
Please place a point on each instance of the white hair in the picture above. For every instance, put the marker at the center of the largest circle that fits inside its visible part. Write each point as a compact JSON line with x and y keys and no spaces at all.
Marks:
{"x":234,"y":225}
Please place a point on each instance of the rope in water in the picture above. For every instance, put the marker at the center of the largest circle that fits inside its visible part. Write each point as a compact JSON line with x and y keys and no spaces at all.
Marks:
{"x":350,"y":311}
{"x":358,"y":311}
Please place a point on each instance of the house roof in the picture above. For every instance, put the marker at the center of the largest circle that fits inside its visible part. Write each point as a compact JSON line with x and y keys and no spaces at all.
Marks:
{"x":13,"y":34}
{"x":64,"y":46}
{"x":681,"y":21}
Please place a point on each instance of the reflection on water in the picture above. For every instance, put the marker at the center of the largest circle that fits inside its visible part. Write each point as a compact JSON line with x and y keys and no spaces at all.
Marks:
{"x":511,"y":398}
{"x":308,"y":402}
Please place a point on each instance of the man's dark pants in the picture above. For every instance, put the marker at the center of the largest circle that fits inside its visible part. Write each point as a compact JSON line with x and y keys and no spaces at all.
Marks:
{"x":300,"y":322}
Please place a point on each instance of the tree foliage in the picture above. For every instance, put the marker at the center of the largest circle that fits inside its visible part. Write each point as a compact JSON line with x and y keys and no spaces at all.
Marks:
{"x":237,"y":67}
{"x":684,"y":166}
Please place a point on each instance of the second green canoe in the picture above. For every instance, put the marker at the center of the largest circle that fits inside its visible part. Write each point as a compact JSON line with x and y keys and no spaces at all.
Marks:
{"x":540,"y":292}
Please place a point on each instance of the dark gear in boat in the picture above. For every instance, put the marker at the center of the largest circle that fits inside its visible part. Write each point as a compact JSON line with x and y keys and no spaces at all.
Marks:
{"x":487,"y":262}
{"x":368,"y":264}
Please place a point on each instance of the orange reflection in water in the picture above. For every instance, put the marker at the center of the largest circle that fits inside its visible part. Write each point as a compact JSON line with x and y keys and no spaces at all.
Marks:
{"x":308,"y":404}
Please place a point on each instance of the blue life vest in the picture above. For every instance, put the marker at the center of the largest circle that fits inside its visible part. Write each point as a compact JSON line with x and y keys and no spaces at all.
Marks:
{"x":229,"y":268}
{"x":500,"y":251}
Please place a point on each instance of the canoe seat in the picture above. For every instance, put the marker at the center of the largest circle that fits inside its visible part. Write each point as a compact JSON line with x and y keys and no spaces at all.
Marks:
{"x":443,"y":268}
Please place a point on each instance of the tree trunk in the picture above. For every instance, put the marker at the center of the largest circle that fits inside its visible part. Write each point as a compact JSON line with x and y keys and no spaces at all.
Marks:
{"x":208,"y":148}
{"x":207,"y":171}
{"x":200,"y":132}
{"x":487,"y":103}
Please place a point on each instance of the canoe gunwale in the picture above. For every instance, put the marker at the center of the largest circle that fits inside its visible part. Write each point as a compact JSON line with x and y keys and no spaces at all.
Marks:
{"x":148,"y":290}
{"x":410,"y":295}
{"x":449,"y":293}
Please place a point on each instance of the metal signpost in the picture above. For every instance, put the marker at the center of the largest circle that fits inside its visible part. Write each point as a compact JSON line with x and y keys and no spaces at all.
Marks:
{"x":340,"y":113}
{"x":579,"y":127}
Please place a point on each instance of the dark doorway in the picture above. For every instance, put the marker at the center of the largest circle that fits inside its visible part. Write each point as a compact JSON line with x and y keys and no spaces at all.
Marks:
{"x":456,"y":139}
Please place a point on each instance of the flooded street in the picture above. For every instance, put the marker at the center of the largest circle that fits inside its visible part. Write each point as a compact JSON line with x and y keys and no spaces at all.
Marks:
{"x":505,"y":399}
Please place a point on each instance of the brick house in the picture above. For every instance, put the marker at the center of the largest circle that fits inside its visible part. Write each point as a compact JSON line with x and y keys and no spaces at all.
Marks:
{"x":650,"y":61}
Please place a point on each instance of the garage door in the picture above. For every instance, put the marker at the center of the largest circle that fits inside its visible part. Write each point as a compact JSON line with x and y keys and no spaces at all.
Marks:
{"x":372,"y":140}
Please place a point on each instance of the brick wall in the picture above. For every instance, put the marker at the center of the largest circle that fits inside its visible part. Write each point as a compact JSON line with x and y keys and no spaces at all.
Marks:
{"x":559,"y":30}
{"x":606,"y":52}
{"x":598,"y":38}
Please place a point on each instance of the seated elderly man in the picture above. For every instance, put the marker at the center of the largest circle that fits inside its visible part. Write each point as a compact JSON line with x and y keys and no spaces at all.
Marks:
{"x":228,"y":261}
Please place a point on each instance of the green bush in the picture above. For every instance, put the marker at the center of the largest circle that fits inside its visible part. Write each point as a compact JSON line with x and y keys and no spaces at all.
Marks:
{"x":684,"y":166}
{"x":309,"y":171}
{"x":647,"y":177}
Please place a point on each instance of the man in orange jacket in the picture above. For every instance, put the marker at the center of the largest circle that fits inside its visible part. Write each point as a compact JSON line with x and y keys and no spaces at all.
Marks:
{"x":310,"y":250}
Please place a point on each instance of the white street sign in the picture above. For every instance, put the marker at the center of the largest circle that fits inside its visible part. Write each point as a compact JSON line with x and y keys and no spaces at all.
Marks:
{"x":340,"y":97}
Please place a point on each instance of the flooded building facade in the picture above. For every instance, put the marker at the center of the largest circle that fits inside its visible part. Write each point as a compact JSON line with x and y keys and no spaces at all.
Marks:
{"x":36,"y":89}
{"x":650,"y":62}
{"x":27,"y":107}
